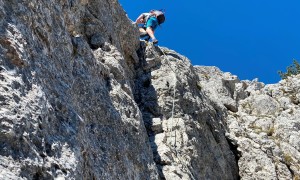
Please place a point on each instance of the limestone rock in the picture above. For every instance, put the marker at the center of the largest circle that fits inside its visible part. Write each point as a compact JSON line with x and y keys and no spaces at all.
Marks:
{"x":265,"y":127}
{"x":66,"y":106}
{"x":192,"y":130}
{"x":82,"y":98}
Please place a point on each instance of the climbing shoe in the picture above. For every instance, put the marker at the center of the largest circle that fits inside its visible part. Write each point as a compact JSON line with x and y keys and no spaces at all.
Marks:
{"x":145,"y":38}
{"x":154,"y":41}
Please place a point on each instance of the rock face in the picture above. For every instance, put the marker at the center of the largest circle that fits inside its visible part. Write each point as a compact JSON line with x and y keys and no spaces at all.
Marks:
{"x":186,"y":132}
{"x":67,"y":106}
{"x":263,"y":125}
{"x":82,"y":98}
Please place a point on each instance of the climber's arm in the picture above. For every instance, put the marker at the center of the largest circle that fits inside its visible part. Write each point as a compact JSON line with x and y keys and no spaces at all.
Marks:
{"x":140,"y":19}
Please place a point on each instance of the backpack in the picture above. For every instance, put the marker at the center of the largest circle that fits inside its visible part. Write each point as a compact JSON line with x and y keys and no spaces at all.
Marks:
{"x":159,"y":15}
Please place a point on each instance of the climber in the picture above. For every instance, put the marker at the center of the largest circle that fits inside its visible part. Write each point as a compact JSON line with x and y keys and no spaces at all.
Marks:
{"x":149,"y":22}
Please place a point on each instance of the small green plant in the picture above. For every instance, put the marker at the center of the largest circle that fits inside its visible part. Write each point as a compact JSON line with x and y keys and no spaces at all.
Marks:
{"x":288,"y":159}
{"x":255,"y":128}
{"x":206,"y":76}
{"x":270,"y":131}
{"x":199,"y":86}
{"x":292,"y":69}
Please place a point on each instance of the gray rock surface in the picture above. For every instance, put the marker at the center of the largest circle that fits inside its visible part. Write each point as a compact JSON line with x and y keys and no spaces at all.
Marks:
{"x":82,"y":98}
{"x":265,"y":128}
{"x":192,"y":144}
{"x":66,"y":105}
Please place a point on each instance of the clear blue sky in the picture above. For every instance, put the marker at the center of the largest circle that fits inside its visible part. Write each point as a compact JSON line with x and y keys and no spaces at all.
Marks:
{"x":251,"y":39}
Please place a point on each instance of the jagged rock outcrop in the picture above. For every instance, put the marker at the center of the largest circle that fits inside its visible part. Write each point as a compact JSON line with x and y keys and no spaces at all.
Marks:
{"x":186,"y":132}
{"x":264,"y":125}
{"x":82,"y":98}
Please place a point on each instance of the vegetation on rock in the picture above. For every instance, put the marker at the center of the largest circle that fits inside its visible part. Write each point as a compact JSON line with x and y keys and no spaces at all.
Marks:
{"x":292,"y":69}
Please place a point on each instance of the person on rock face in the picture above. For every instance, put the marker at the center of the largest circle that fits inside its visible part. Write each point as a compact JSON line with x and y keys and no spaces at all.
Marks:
{"x":149,"y":22}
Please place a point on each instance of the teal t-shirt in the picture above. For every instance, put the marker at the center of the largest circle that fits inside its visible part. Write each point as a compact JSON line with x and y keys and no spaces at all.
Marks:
{"x":152,"y":22}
